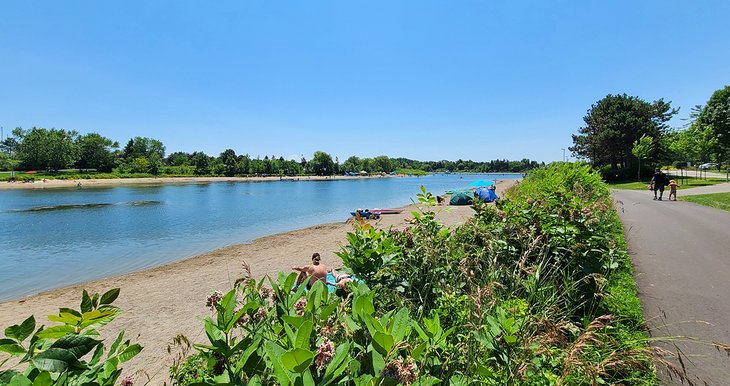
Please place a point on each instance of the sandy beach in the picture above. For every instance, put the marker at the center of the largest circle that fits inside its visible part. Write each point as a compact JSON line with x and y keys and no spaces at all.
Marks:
{"x":162,"y":302}
{"x":86,"y":183}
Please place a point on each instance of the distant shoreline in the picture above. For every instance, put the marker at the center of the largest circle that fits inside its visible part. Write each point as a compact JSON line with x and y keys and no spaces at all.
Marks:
{"x":105,"y":182}
{"x":97,"y":182}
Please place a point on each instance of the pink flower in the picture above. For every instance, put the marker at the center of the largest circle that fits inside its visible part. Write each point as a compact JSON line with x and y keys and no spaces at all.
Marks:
{"x":213,"y":300}
{"x":126,"y":381}
{"x":300,"y":306}
{"x":324,"y":354}
{"x":260,"y":314}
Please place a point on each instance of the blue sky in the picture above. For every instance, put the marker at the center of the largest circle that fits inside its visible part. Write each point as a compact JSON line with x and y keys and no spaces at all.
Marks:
{"x":419,"y":79}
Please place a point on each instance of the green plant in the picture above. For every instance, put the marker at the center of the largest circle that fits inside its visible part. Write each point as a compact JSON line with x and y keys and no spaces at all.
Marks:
{"x":59,"y":355}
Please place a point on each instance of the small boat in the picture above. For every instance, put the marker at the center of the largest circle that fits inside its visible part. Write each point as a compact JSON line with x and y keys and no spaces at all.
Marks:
{"x":387,"y":211}
{"x":367,"y":214}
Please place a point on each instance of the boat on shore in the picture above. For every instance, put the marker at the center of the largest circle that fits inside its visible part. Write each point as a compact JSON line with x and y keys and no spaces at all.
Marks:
{"x":375,"y":213}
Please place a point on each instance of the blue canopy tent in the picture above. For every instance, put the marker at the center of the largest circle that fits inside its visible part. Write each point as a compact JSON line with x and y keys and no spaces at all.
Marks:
{"x":481,"y":183}
{"x":486,"y":194}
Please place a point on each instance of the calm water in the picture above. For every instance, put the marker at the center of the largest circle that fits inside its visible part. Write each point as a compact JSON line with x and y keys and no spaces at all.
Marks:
{"x":56,"y":237}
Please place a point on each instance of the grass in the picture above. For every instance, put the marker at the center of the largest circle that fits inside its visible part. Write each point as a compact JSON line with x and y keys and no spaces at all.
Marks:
{"x":715,"y":200}
{"x":689,"y":182}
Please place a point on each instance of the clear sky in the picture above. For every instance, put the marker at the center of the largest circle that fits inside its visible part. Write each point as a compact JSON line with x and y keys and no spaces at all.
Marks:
{"x":419,"y":79}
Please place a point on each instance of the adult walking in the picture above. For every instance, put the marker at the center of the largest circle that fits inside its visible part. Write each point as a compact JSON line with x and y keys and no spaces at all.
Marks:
{"x":658,"y":182}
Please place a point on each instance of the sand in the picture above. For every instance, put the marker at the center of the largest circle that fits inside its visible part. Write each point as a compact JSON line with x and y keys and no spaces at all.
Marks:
{"x":162,"y":302}
{"x":85,"y":183}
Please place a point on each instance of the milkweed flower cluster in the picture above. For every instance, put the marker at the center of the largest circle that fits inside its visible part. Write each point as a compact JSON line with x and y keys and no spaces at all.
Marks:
{"x":404,"y":372}
{"x":265,"y":292}
{"x":213,"y":300}
{"x":300,"y":306}
{"x":324,"y":354}
{"x":260,"y":314}
{"x":126,"y":381}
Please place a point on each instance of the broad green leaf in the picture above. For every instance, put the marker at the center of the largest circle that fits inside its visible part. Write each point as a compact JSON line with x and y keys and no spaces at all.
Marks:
{"x":378,"y":361}
{"x":79,"y":345}
{"x":303,"y":335}
{"x":99,"y":317}
{"x":328,"y":309}
{"x":307,"y":379}
{"x":383,"y":342}
{"x":351,"y":324}
{"x":86,"y":304}
{"x":418,"y":351}
{"x":115,"y":345}
{"x":228,"y":305}
{"x":11,"y":347}
{"x":129,"y":353}
{"x":43,"y":379}
{"x":337,"y":365}
{"x":54,"y":360}
{"x":275,"y":352}
{"x":401,"y":321}
{"x":55,"y":332}
{"x":97,"y":355}
{"x":109,"y":296}
{"x":509,"y":339}
{"x":250,"y":349}
{"x":95,"y":301}
{"x":65,"y":318}
{"x":69,"y":311}
{"x":297,"y":360}
{"x":294,"y":321}
{"x":20,"y":380}
{"x":22,"y":331}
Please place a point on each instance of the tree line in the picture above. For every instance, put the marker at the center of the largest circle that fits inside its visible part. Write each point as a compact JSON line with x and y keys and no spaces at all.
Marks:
{"x":53,"y":149}
{"x":625,"y":135}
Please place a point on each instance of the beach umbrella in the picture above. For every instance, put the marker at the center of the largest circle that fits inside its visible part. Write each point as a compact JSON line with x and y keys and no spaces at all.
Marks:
{"x":480,"y":183}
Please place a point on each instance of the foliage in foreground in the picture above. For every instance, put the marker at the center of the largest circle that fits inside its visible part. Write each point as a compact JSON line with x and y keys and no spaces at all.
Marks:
{"x":69,"y":353}
{"x":535,"y":291}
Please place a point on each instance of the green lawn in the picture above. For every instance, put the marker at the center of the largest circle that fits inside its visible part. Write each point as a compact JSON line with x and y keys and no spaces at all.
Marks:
{"x":689,"y":182}
{"x":715,"y":200}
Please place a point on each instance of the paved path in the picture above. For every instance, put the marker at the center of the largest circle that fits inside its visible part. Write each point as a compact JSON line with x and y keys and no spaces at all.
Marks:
{"x":681,"y":255}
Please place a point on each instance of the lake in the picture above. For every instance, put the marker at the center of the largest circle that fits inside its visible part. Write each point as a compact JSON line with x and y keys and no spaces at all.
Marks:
{"x":51,"y":238}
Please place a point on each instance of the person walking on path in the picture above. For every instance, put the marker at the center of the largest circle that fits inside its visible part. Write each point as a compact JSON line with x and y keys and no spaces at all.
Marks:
{"x":672,"y":190}
{"x":658,"y":182}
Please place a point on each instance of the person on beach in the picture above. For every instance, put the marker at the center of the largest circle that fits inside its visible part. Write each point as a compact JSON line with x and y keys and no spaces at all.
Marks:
{"x":658,"y":182}
{"x":341,"y":279}
{"x":315,"y":271}
{"x":672,"y":190}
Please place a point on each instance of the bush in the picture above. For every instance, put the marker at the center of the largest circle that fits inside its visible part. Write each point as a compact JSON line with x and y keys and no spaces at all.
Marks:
{"x":533,"y":291}
{"x":70,"y":352}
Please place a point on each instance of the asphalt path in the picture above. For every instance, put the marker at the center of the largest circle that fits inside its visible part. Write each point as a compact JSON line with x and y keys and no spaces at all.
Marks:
{"x":681,"y":255}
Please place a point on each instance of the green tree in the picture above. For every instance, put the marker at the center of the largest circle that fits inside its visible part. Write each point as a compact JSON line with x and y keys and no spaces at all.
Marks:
{"x":382,"y":164}
{"x":716,"y":116}
{"x":642,"y":150}
{"x":178,"y":158}
{"x":614,"y":123}
{"x":96,"y":152}
{"x":322,"y":164}
{"x":229,"y":161}
{"x":201,"y":162}
{"x":352,"y":164}
{"x":41,"y":148}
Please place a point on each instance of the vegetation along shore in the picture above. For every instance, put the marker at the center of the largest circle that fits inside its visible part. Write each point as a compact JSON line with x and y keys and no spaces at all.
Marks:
{"x":536,"y":290}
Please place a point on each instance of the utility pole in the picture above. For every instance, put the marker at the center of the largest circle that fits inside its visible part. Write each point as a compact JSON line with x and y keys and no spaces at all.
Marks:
{"x":563,"y":149}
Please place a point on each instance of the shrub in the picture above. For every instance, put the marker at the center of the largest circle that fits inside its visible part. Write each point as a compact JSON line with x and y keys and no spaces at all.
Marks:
{"x":70,"y":352}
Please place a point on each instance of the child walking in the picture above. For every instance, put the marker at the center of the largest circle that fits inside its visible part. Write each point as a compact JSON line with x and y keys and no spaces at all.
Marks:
{"x":672,"y":190}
